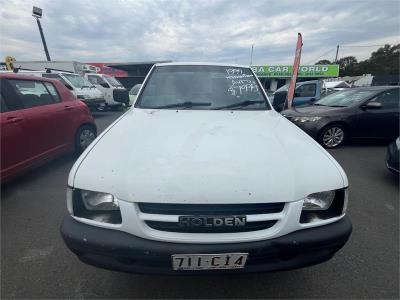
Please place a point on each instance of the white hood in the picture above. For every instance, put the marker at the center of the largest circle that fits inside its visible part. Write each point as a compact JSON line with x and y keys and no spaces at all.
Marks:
{"x":207,"y":156}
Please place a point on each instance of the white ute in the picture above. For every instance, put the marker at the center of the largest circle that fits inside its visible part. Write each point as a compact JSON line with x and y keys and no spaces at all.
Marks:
{"x":210,"y":178}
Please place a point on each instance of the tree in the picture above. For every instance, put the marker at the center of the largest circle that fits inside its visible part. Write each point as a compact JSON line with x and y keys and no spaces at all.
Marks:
{"x":384,"y":61}
{"x":323,"y":62}
{"x":347,"y":66}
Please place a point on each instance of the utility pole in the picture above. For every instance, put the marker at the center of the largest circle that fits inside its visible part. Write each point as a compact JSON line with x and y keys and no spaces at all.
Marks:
{"x":337,"y":53}
{"x":251,"y":56}
{"x":37,"y":14}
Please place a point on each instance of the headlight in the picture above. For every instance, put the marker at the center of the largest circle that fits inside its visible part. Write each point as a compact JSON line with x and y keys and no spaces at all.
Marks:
{"x":305,"y":119}
{"x":97,"y":206}
{"x":319,"y":201}
{"x":324,"y":205}
{"x":99,"y":201}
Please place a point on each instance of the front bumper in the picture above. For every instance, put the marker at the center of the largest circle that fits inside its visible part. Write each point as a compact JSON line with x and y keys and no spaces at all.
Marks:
{"x":94,"y":102}
{"x":392,"y":158}
{"x":120,"y":251}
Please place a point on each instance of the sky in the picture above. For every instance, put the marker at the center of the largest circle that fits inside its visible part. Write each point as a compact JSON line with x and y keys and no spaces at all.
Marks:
{"x":206,"y":30}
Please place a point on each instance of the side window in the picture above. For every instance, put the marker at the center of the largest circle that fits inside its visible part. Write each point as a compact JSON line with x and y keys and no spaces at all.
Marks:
{"x":92,"y":79}
{"x":53,"y":92}
{"x":3,"y":105}
{"x":56,"y":76}
{"x":31,"y":93}
{"x":306,"y":90}
{"x":389,"y":99}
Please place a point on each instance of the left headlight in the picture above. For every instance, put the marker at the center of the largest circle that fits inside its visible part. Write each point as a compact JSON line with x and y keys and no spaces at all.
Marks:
{"x":305,"y":119}
{"x":99,"y":201}
{"x":324,"y":205}
{"x":92,"y":205}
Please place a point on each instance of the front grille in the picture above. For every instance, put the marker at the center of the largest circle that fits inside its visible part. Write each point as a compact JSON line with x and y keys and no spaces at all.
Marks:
{"x":121,"y":95}
{"x":211,"y":209}
{"x":158,"y":216}
{"x":174,"y":227}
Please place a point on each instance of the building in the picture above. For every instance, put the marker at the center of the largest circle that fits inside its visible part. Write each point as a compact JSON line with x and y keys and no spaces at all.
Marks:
{"x":273,"y":77}
{"x":128,"y":73}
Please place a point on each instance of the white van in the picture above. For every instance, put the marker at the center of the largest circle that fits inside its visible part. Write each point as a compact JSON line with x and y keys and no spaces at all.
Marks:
{"x":78,"y":85}
{"x":114,"y":92}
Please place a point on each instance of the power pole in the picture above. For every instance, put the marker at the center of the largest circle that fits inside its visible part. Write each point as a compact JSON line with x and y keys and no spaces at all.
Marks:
{"x":37,"y":14}
{"x":251,"y":56}
{"x":337,"y":53}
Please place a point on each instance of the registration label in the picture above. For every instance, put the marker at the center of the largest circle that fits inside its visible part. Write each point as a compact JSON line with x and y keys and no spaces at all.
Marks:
{"x":209,"y":261}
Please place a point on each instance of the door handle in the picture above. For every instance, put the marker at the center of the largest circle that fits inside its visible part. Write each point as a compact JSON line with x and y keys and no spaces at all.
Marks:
{"x":14,"y":119}
{"x":68,"y":107}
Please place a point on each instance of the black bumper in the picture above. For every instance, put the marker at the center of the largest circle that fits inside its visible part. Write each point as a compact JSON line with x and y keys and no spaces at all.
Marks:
{"x":116,"y":250}
{"x":392,"y":158}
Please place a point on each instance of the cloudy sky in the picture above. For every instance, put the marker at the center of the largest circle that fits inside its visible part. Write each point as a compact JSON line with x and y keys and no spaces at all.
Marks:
{"x":207,"y":30}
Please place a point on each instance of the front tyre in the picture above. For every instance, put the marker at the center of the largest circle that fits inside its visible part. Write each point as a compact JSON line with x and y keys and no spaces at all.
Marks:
{"x":332,"y":136}
{"x":84,"y":137}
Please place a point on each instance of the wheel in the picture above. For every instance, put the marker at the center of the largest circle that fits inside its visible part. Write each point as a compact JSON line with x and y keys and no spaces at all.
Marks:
{"x":84,"y":137}
{"x":332,"y":136}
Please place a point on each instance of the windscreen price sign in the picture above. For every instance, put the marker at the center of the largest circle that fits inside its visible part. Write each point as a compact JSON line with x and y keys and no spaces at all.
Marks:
{"x":304,"y":71}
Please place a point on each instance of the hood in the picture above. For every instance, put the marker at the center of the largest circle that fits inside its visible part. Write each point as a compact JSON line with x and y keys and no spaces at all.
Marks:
{"x":313,"y":110}
{"x":205,"y":156}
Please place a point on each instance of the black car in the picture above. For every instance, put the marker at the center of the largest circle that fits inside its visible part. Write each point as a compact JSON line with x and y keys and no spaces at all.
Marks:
{"x":392,"y":156}
{"x":371,"y":112}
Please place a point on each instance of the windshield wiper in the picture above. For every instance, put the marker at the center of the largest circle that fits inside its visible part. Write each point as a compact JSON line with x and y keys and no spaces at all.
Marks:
{"x":318,"y":104}
{"x":241,"y":104}
{"x":337,"y":105}
{"x":186,"y":104}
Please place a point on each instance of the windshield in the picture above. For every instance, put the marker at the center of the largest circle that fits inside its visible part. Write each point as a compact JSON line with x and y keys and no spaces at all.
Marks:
{"x":345,"y":98}
{"x":113,"y":81}
{"x":202,"y":87}
{"x":135,"y":89}
{"x":77,"y":81}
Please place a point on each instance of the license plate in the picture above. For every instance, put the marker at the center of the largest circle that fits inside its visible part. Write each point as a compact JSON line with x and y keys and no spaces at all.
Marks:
{"x":209,"y":261}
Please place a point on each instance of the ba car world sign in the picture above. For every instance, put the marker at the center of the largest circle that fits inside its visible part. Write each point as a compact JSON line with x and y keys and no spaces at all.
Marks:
{"x":304,"y":71}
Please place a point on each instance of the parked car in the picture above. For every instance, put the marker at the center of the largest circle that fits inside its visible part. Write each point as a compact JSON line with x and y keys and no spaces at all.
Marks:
{"x":371,"y":112}
{"x":77,"y":84}
{"x":208,"y":177}
{"x":133,"y":93}
{"x":392,"y":156}
{"x":113,"y":91}
{"x":40,"y":119}
{"x":81,"y":87}
{"x":306,"y":92}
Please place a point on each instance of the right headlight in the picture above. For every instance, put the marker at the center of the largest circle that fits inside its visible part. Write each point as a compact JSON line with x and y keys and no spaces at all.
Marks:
{"x":305,"y":119}
{"x":324,"y":205}
{"x":92,"y":205}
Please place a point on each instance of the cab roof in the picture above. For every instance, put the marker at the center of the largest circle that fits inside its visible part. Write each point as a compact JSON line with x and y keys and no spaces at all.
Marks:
{"x":200,"y":64}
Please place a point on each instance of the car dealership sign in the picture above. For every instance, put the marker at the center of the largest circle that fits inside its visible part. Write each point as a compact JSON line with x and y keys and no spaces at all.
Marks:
{"x":304,"y":71}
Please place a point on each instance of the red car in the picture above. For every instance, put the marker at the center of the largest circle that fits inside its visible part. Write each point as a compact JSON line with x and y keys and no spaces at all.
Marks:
{"x":40,"y":119}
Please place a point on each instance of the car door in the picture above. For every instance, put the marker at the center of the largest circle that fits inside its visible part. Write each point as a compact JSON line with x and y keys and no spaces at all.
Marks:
{"x":15,"y":150}
{"x":43,"y":113}
{"x":386,"y":118}
{"x":304,"y":93}
{"x":377,"y":122}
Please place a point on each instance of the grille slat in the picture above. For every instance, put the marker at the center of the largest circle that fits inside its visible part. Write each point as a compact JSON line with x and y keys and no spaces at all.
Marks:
{"x":211,"y":209}
{"x":174,"y":227}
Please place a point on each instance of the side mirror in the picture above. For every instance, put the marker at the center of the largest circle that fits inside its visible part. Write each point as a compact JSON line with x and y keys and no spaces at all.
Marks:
{"x":373,"y":105}
{"x":105,"y":85}
{"x":313,"y":100}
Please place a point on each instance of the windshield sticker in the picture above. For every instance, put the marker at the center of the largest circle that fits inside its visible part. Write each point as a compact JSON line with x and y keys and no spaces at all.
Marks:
{"x":240,"y":83}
